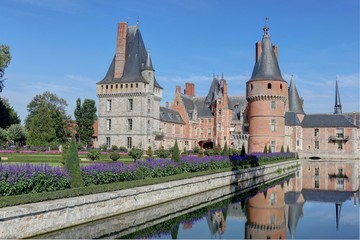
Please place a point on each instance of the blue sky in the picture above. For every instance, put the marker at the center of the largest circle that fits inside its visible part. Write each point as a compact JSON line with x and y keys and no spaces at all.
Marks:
{"x":65,"y":46}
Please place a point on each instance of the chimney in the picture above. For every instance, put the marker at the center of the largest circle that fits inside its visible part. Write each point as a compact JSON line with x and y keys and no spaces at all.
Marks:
{"x":354,"y":118}
{"x":167,"y":104}
{"x":190,"y":89}
{"x":178,"y":89}
{"x":276,"y":50}
{"x":120,"y":50}
{"x":258,"y":51}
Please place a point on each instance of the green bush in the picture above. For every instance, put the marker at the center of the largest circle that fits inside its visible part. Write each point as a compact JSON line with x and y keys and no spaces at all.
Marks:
{"x":72,"y":164}
{"x":93,"y":155}
{"x":225,"y":151}
{"x":176,"y":153}
{"x":196,"y":149}
{"x":114,"y":156}
{"x":135,"y":153}
{"x":209,"y":152}
{"x":243,"y":152}
{"x":114,"y":148}
{"x":201,"y":152}
{"x":149,"y":152}
{"x":123,"y":149}
{"x":162,"y":153}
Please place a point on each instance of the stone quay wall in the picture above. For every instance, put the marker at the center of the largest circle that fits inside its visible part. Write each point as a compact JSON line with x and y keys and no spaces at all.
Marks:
{"x":38,"y":218}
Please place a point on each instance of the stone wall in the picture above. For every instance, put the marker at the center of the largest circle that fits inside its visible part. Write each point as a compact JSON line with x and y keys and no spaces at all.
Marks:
{"x":38,"y":218}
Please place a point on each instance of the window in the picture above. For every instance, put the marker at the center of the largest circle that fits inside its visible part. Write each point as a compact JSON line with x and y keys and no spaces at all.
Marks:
{"x":108,"y":124}
{"x":131,"y":85}
{"x":251,"y":87}
{"x":220,"y":112}
{"x":316,"y":145}
{"x":340,"y":133}
{"x":316,"y":132}
{"x":272,"y":199}
{"x":273,"y":125}
{"x":317,"y":172}
{"x":269,"y":85}
{"x":340,"y":172}
{"x":136,"y":85}
{"x":173,"y":129}
{"x":126,"y":86}
{"x":339,"y":146}
{"x":316,"y":183}
{"x":108,"y":142}
{"x":121,"y":86}
{"x":107,"y":86}
{"x":209,"y":132}
{"x":130,"y":124}
{"x":201,"y":132}
{"x":108,"y":105}
{"x":202,"y":120}
{"x":273,"y":146}
{"x":129,"y":142}
{"x":130,"y":104}
{"x":340,"y":183}
{"x":280,"y":86}
{"x":273,"y":105}
{"x":186,"y":143}
{"x":209,"y":120}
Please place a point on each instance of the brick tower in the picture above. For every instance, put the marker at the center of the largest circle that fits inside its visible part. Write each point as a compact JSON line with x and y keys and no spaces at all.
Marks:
{"x":266,"y":93}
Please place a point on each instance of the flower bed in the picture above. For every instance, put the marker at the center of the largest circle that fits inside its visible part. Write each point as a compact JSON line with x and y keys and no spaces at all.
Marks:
{"x":27,"y":178}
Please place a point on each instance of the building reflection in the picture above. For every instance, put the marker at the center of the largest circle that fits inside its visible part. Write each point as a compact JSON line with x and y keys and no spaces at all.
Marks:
{"x":271,"y":213}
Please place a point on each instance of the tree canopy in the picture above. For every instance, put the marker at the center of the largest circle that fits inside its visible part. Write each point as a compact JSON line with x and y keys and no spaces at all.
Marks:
{"x":5,"y":59}
{"x":46,"y":121}
{"x":85,"y":116}
{"x":8,"y":114}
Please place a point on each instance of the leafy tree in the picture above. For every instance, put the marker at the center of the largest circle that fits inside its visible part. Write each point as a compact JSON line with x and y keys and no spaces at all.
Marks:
{"x":225,"y":151}
{"x":3,"y":137}
{"x":17,"y":133}
{"x":135,"y":153}
{"x":47,"y":117}
{"x":176,"y":153}
{"x":85,"y":116}
{"x":72,"y":164}
{"x":8,"y":114}
{"x":5,"y":59}
{"x":243,"y":152}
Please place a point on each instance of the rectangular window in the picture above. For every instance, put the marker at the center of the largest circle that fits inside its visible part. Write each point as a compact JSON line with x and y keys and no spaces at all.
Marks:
{"x":316,"y":145}
{"x":130,"y":124}
{"x":220,"y":112}
{"x":108,"y":124}
{"x":340,"y":133}
{"x":108,"y":142}
{"x":272,"y":199}
{"x":202,"y":120}
{"x":340,"y":183}
{"x":273,"y":146}
{"x":273,"y":125}
{"x":108,"y":105}
{"x":201,"y":132}
{"x":339,"y":146}
{"x":186,"y":143}
{"x":317,"y":172}
{"x":316,"y":132}
{"x":129,"y":142}
{"x":130,"y":104}
{"x":209,"y":132}
{"x":209,"y":120}
{"x":273,"y":105}
{"x":173,"y":129}
{"x":316,"y":183}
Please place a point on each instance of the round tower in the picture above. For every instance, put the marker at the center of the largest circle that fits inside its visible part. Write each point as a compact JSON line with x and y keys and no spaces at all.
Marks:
{"x":266,"y":93}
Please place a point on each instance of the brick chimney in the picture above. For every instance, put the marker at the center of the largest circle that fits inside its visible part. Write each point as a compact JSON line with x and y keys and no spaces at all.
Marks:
{"x":276,"y":50}
{"x":167,"y":104}
{"x":178,"y":89}
{"x":190,"y":89}
{"x":120,"y":50}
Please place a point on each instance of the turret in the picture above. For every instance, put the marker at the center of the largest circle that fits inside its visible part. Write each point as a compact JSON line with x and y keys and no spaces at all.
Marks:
{"x":337,"y":107}
{"x":266,"y":93}
{"x":295,"y":102}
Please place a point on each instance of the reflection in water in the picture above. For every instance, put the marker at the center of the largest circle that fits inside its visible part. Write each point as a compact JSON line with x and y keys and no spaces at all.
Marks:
{"x":313,"y":203}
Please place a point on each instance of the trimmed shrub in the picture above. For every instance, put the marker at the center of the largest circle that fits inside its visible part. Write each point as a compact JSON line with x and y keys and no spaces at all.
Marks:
{"x":72,"y":164}
{"x":287,"y":149}
{"x":135,"y":153}
{"x":225,"y":151}
{"x":243,"y":152}
{"x":149,"y":152}
{"x":265,"y":149}
{"x":93,"y":155}
{"x":114,"y":156}
{"x":176,"y":153}
{"x":114,"y":148}
{"x":282,"y":148}
{"x":201,"y":152}
{"x":162,"y":153}
{"x":123,"y":149}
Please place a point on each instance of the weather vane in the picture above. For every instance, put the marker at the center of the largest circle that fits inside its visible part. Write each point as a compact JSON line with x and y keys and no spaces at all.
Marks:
{"x":266,"y":20}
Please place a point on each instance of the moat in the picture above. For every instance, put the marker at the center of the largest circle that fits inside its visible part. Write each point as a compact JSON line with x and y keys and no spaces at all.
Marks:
{"x":319,"y":200}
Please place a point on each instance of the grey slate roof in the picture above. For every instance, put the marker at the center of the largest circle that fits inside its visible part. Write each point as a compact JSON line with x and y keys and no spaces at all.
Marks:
{"x":350,"y":117}
{"x":135,"y":60}
{"x":203,"y":110}
{"x":291,"y":119}
{"x":330,"y":196}
{"x":213,"y":93}
{"x":170,"y":115}
{"x":238,"y":104}
{"x":267,"y":67}
{"x":326,"y":120}
{"x":295,"y":103}
{"x":189,"y":105}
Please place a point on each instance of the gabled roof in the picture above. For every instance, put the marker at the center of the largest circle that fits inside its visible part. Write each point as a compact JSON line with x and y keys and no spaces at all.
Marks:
{"x":213,"y":93}
{"x":291,"y":119}
{"x":170,"y":115}
{"x":326,"y":120}
{"x":135,"y":59}
{"x":188,"y":104}
{"x":267,"y":66}
{"x":203,"y":110}
{"x":295,"y":103}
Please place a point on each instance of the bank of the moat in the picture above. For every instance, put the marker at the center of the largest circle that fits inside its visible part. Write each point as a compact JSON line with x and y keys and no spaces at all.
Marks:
{"x":34,"y":219}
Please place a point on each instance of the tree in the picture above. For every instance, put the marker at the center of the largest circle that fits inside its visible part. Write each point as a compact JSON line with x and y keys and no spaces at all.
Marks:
{"x":282,"y":148}
{"x":17,"y":134}
{"x":135,"y":153}
{"x":72,"y":164}
{"x":225,"y":151}
{"x":265,"y":149}
{"x":287,"y":148}
{"x":5,"y":59}
{"x":176,"y":153}
{"x":3,"y":137}
{"x":85,"y":116}
{"x":243,"y":151}
{"x":8,"y":114}
{"x":47,"y":120}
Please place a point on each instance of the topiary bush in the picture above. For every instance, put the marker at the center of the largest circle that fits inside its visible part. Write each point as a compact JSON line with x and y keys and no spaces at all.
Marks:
{"x":72,"y":164}
{"x":114,"y":156}
{"x":162,"y":153}
{"x":93,"y":155}
{"x":135,"y":153}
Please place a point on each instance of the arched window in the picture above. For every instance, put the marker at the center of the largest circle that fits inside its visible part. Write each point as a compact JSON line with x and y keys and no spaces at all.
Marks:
{"x":269,"y":85}
{"x":280,"y":86}
{"x":251,"y":87}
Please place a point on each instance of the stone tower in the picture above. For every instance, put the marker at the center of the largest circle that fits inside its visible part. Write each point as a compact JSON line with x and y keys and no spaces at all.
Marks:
{"x":129,"y":95}
{"x":266,"y":93}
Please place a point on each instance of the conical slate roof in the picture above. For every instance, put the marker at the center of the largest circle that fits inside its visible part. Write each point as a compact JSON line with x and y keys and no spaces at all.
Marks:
{"x":295,"y":102}
{"x":267,"y":67}
{"x":337,"y":107}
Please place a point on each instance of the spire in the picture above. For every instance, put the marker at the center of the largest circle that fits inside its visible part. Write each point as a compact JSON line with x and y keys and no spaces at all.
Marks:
{"x":337,"y":107}
{"x":295,"y":102}
{"x":148,"y":63}
{"x":338,"y":213}
{"x":267,"y":66}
